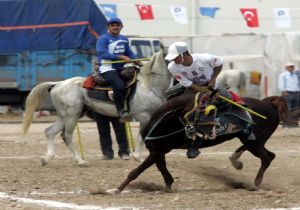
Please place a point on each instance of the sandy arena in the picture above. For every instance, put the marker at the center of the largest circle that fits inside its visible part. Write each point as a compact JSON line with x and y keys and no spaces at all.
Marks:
{"x":207,"y":182}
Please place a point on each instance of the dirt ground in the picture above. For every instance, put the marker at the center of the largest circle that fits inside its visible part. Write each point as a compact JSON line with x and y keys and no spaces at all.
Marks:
{"x":207,"y":182}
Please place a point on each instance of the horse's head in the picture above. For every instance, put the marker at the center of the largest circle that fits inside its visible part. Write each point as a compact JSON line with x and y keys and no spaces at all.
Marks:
{"x":201,"y":119}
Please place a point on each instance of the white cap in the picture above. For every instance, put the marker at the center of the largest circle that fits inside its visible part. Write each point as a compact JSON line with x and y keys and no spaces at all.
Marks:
{"x":176,"y":49}
{"x":289,"y":64}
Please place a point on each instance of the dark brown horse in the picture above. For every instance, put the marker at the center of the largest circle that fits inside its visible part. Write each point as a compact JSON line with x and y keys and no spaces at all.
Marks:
{"x":168,"y":134}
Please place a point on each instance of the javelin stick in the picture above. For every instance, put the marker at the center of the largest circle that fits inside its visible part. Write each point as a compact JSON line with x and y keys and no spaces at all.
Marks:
{"x":242,"y":107}
{"x":79,"y":141}
{"x":129,"y":136}
{"x":121,"y":61}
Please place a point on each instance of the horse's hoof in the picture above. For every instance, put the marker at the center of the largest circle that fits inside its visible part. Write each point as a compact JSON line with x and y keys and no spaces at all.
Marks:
{"x":239,"y":165}
{"x":168,"y":189}
{"x":114,"y":191}
{"x":236,"y":163}
{"x":83,"y":163}
{"x":257,"y":181}
{"x":43,"y":162}
{"x":137,"y":158}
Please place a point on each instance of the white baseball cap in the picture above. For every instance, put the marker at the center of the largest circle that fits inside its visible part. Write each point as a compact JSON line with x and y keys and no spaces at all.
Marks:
{"x":176,"y":49}
{"x":289,"y":64}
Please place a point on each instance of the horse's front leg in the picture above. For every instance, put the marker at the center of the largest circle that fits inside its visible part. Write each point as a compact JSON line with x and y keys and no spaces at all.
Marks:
{"x":162,"y":167}
{"x":50,"y":134}
{"x":149,"y":161}
{"x":234,"y":158}
{"x":68,"y":139}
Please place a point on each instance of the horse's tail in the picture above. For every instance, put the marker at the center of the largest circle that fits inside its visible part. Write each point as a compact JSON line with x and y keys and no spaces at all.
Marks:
{"x":33,"y":101}
{"x":280,"y":104}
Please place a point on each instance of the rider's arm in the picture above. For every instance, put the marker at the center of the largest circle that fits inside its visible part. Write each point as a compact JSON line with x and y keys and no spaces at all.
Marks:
{"x":102,"y":49}
{"x":130,"y":54}
{"x":217,"y":71}
{"x":216,"y":62}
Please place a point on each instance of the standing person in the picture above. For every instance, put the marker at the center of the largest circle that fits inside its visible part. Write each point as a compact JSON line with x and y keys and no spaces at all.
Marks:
{"x":103,"y":125}
{"x":289,"y":85}
{"x":195,"y":71}
{"x":113,"y":46}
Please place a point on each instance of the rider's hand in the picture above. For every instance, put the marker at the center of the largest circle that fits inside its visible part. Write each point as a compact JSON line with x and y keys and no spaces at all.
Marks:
{"x":139,"y":63}
{"x":125,"y":58}
{"x":211,"y":84}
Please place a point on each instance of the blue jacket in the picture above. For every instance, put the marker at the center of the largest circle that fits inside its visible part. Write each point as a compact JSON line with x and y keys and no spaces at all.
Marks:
{"x":109,"y":47}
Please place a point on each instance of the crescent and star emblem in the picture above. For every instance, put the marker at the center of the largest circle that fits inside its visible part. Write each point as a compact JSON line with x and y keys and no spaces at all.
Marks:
{"x":248,"y":15}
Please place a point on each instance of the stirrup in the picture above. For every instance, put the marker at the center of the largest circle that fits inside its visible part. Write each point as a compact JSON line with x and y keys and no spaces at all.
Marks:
{"x":125,"y":116}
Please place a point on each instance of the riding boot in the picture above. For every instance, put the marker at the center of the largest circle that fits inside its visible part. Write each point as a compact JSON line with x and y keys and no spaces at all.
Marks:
{"x":124,"y":116}
{"x":123,"y":113}
{"x":192,"y":149}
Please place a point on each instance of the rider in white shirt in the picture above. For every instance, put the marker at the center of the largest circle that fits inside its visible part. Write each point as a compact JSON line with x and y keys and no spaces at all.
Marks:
{"x":194,"y":71}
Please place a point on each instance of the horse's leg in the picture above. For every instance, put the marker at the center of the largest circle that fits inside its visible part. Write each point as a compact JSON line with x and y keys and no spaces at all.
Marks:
{"x":149,"y":161}
{"x":162,"y":167}
{"x":137,"y":153}
{"x":266,"y":158}
{"x":69,"y":124}
{"x":50,"y":134}
{"x":234,"y":157}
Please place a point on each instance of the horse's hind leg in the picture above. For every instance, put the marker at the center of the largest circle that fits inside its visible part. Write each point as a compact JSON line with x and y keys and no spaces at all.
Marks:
{"x":50,"y":134}
{"x":69,"y":126}
{"x":149,"y":161}
{"x":137,"y":153}
{"x":234,"y":158}
{"x":265,"y":163}
{"x":162,"y":167}
{"x":266,"y":158}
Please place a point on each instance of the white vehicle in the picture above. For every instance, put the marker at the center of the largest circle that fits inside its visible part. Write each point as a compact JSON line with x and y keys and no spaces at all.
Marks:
{"x":145,"y":47}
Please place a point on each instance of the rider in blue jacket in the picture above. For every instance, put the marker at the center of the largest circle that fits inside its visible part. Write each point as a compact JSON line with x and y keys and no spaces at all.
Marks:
{"x":112,"y":47}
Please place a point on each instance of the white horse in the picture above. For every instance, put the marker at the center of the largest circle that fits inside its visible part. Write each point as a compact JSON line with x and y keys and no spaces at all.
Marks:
{"x":235,"y":79}
{"x":69,"y":99}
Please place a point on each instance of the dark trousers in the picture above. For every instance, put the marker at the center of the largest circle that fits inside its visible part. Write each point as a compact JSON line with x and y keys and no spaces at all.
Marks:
{"x":105,"y":136}
{"x":118,"y":86}
{"x":292,"y":100}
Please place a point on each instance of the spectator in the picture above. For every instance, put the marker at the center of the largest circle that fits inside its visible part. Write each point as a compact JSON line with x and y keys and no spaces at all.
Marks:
{"x":289,"y":85}
{"x":103,"y":124}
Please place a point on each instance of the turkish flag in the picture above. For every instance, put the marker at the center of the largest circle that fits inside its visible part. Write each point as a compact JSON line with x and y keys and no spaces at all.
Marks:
{"x":250,"y":15}
{"x":145,"y":11}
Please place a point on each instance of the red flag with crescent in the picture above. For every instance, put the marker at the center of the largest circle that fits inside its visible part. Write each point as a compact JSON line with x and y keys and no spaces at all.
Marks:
{"x":145,"y":11}
{"x":250,"y":15}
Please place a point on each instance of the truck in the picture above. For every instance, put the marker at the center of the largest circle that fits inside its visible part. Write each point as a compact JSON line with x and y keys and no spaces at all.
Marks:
{"x":50,"y":40}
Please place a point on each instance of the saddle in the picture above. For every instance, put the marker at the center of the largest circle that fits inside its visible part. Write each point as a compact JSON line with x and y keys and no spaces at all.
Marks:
{"x":231,"y":118}
{"x":99,"y":90}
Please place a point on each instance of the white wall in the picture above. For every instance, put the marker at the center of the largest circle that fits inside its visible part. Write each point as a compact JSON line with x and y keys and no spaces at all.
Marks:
{"x":227,"y":20}
{"x":163,"y":23}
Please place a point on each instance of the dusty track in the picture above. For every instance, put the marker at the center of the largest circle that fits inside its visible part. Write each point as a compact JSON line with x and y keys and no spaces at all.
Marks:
{"x":208,"y":182}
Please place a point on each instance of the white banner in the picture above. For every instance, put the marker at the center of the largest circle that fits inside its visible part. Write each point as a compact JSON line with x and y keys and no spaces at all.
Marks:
{"x":282,"y":17}
{"x":179,"y":14}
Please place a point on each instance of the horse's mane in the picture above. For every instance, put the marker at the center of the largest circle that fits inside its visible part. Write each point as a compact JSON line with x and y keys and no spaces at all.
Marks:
{"x":280,"y":104}
{"x":155,"y":65}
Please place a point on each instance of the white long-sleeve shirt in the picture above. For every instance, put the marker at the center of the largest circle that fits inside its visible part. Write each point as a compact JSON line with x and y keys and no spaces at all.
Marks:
{"x":288,"y":82}
{"x":200,"y":72}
